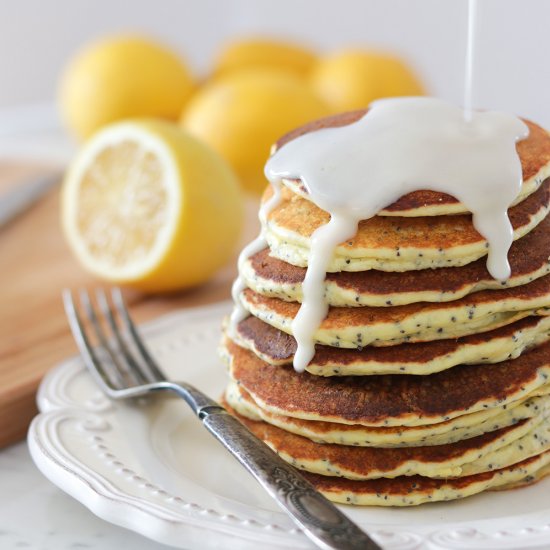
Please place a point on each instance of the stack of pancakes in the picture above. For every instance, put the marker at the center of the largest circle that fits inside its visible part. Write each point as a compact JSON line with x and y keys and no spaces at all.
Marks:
{"x":430,"y":379}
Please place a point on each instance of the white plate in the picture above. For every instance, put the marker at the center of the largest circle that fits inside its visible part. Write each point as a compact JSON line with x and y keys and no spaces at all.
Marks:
{"x":153,"y":469}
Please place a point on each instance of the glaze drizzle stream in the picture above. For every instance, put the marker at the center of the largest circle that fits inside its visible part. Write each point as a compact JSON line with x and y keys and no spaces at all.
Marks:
{"x":259,"y":243}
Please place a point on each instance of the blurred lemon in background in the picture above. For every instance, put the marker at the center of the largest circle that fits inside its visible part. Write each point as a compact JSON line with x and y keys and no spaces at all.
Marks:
{"x":122,"y":77}
{"x":254,"y":53}
{"x":242,"y":114}
{"x":146,"y":205}
{"x":351,"y":79}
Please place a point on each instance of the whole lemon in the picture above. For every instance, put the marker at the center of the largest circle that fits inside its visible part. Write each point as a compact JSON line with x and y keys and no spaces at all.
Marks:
{"x":263,"y":53}
{"x":242,"y":114}
{"x":122,"y":77}
{"x":351,"y":79}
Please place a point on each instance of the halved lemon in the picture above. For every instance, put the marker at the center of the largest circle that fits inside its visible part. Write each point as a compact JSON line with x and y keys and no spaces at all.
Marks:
{"x":146,"y":205}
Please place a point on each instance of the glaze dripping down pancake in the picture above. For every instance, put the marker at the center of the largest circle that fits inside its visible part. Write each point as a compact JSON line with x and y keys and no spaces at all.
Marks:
{"x":428,"y":379}
{"x":388,"y":243}
{"x":421,"y":358}
{"x":388,"y":326}
{"x":529,"y":259}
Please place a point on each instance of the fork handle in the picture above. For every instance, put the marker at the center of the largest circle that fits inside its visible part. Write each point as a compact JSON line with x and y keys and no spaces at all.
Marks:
{"x":320,"y":520}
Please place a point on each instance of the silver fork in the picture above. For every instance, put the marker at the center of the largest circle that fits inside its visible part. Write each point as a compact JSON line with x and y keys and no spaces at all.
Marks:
{"x":123,"y":368}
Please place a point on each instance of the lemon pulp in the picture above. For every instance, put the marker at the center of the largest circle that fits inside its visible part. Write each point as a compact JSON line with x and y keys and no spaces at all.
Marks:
{"x":117,"y":194}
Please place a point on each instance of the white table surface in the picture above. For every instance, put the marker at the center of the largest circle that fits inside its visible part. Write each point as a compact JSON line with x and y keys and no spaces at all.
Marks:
{"x":36,"y":515}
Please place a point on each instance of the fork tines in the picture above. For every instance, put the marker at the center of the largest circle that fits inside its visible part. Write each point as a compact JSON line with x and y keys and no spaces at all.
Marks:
{"x":108,"y":341}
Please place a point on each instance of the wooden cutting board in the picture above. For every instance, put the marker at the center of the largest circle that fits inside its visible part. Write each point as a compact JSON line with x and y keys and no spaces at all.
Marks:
{"x":35,"y":265}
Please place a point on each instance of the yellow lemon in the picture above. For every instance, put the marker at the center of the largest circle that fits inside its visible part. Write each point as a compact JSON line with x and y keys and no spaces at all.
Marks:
{"x":261,"y":53}
{"x":146,"y":205}
{"x":351,"y":79}
{"x":242,"y":114}
{"x":119,"y":78}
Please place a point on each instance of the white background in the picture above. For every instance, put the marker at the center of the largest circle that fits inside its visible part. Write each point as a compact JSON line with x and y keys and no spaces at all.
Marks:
{"x":512,"y":67}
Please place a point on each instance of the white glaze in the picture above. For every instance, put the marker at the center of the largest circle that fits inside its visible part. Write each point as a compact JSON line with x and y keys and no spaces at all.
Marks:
{"x":259,"y":243}
{"x":469,"y":68}
{"x":401,"y":145}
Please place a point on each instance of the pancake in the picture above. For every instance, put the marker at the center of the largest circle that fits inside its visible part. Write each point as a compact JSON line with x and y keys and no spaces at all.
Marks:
{"x":534,"y":153}
{"x":457,"y":429}
{"x":415,"y":489}
{"x":408,"y":295}
{"x":390,"y":400}
{"x":423,"y":358}
{"x":392,"y":243}
{"x":387,"y":326}
{"x":490,"y":451}
{"x":525,"y":482}
{"x":528,"y":257}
